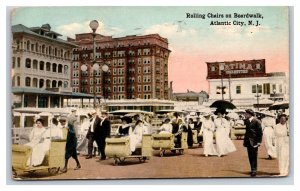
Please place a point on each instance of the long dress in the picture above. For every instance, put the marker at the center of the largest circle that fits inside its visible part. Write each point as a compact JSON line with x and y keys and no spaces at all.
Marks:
{"x":282,"y":147}
{"x":224,"y":144}
{"x":40,"y":144}
{"x":166,"y":128}
{"x":268,"y":124}
{"x":208,"y":128}
{"x":136,"y":137}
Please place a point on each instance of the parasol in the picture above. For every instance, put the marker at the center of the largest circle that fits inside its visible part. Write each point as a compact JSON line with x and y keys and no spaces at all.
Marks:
{"x":223,"y":104}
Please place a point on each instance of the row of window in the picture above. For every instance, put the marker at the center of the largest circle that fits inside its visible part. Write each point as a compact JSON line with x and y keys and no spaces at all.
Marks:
{"x":38,"y":48}
{"x":39,"y":83}
{"x":259,"y":88}
{"x":40,"y":65}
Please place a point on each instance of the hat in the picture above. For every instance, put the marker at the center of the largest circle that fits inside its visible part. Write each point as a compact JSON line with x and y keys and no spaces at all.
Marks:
{"x":138,"y":121}
{"x":104,"y":112}
{"x":71,"y":119}
{"x":63,"y":118}
{"x":250,"y":111}
{"x":127,"y":119}
{"x":93,"y":112}
{"x":220,"y":110}
{"x":268,"y":113}
{"x":167,"y":120}
{"x":205,"y":114}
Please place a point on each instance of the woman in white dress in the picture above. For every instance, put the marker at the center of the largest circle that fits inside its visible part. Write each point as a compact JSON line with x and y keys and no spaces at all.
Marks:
{"x":39,"y":142}
{"x":281,"y":131}
{"x":267,"y":124}
{"x":224,"y":144}
{"x":207,"y":129}
{"x":137,"y":135}
{"x":166,"y":128}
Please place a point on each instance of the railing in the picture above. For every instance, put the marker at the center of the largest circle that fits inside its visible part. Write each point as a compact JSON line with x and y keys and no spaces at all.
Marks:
{"x":19,"y":134}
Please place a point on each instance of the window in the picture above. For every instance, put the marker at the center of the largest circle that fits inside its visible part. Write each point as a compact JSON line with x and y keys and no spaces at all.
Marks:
{"x":48,"y":66}
{"x":60,"y":68}
{"x":65,"y":69}
{"x":35,"y":64}
{"x":280,"y":88}
{"x":258,"y":87}
{"x":18,"y":62}
{"x":54,"y":67}
{"x":238,"y":89}
{"x":28,"y":63}
{"x":27,"y":81}
{"x":274,"y":87}
{"x":267,"y":88}
{"x":14,"y":62}
{"x":219,"y":90}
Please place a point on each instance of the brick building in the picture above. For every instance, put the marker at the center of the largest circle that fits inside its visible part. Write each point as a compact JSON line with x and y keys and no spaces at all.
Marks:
{"x":138,"y":66}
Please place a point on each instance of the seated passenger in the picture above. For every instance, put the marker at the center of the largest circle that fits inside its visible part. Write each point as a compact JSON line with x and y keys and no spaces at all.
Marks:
{"x":55,"y":131}
{"x":39,"y":142}
{"x":137,"y":135}
{"x":125,"y":129}
{"x":181,"y":128}
{"x":166,"y":127}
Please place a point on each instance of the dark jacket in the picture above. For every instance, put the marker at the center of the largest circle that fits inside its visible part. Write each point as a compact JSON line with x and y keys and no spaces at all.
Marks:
{"x":96,"y":127}
{"x":104,"y":130}
{"x":254,"y":133}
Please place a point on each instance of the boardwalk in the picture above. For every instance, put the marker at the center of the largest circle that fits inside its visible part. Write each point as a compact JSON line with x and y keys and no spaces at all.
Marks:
{"x":190,"y":165}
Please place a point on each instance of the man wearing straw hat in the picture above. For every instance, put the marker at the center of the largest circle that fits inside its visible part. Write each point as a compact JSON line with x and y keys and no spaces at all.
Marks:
{"x":92,"y":133}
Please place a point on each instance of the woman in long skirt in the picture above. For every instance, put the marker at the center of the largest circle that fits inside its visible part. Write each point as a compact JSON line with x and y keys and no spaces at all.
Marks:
{"x":224,"y":144}
{"x":267,"y":124}
{"x":282,"y":145}
{"x":207,"y":130}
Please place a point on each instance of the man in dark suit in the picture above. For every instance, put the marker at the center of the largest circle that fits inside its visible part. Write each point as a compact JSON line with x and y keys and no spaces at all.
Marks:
{"x":252,"y":139}
{"x":102,"y":133}
{"x":197,"y":126}
{"x":92,"y":133}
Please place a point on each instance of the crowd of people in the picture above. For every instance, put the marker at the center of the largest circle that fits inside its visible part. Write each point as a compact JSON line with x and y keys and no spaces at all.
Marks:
{"x":213,"y":134}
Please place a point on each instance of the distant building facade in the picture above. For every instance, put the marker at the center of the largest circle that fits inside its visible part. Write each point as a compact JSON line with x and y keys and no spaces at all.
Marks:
{"x":41,"y":64}
{"x":138,"y":66}
{"x":246,"y":83}
{"x":189,"y":96}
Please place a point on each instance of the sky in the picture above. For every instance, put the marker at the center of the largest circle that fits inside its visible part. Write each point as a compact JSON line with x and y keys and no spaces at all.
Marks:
{"x":192,"y":41}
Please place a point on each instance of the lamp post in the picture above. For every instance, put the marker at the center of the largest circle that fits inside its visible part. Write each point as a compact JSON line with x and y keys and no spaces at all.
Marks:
{"x":257,"y":96}
{"x":274,"y":95}
{"x":93,"y":25}
{"x":222,"y":87}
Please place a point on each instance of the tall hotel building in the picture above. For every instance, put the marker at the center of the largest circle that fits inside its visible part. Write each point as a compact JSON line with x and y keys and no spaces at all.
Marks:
{"x":138,"y":66}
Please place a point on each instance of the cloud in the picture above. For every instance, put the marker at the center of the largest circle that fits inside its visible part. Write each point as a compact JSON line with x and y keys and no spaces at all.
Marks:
{"x":76,"y":28}
{"x":171,"y":30}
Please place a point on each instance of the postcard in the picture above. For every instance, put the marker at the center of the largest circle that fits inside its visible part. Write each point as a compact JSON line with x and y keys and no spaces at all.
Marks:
{"x":149,"y":92}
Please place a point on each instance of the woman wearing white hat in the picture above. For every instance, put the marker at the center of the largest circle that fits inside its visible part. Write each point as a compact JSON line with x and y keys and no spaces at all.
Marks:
{"x":224,"y":144}
{"x":207,"y":130}
{"x":268,"y":123}
{"x":282,"y":144}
